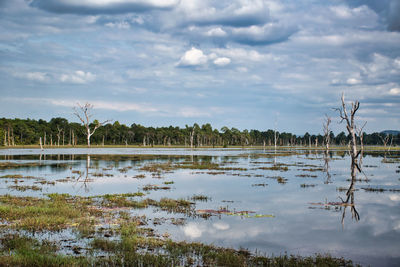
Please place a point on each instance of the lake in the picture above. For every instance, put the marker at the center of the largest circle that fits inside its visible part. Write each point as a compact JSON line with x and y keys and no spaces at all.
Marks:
{"x":271,"y":202}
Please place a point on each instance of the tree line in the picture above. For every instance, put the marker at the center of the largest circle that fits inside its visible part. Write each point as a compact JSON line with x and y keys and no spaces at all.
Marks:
{"x":60,"y":132}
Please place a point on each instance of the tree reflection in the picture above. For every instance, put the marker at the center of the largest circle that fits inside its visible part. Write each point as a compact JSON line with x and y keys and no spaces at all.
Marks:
{"x":326,"y":167}
{"x":85,"y":175}
{"x":349,"y":202}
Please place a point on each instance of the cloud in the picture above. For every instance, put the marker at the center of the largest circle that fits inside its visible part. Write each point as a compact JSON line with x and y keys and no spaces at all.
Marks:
{"x":161,"y":110}
{"x":33,"y":76}
{"x":261,"y":35}
{"x":388,"y":10}
{"x":216,"y":32}
{"x":222,"y":226}
{"x":192,"y":230}
{"x":244,"y":55}
{"x":230,"y":13}
{"x":394,"y":91}
{"x":78,"y":76}
{"x":353,"y":81}
{"x":83,"y":7}
{"x":222,"y":61}
{"x":119,"y":25}
{"x":193,"y":57}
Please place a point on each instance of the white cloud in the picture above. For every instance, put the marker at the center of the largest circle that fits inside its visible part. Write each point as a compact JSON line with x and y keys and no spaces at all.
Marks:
{"x":353,"y":81}
{"x":243,"y":55}
{"x":109,"y":105}
{"x":33,"y":76}
{"x":122,"y":106}
{"x":394,"y":91}
{"x":222,"y":61}
{"x":241,"y":12}
{"x":192,"y":230}
{"x":267,"y":33}
{"x":193,"y":57}
{"x":221,"y":226}
{"x":216,"y":32}
{"x":79,"y":77}
{"x":119,"y":25}
{"x":394,"y":197}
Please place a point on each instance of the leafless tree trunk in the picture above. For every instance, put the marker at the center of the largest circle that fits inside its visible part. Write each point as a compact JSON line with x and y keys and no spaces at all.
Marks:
{"x":351,"y":126}
{"x":361,"y":136}
{"x":354,"y":153}
{"x":327,"y":132}
{"x":191,"y":138}
{"x":12,"y":137}
{"x":275,"y":138}
{"x":385,"y":140}
{"x":9,"y":136}
{"x":84,"y":115}
{"x":59,"y":131}
{"x":40,"y":143}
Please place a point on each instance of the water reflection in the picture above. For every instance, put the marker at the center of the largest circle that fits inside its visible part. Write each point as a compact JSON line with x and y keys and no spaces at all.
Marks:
{"x":296,"y":228}
{"x":327,"y":158}
{"x":356,"y":161}
{"x":85,"y":175}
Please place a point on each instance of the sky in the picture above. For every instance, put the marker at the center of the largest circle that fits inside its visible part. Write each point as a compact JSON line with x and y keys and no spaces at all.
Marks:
{"x":248,"y":64}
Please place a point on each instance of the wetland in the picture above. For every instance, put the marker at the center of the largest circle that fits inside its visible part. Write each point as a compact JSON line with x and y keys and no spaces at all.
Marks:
{"x":214,"y":207}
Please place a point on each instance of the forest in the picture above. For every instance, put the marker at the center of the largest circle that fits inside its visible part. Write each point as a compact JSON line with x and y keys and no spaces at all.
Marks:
{"x":61,"y":132}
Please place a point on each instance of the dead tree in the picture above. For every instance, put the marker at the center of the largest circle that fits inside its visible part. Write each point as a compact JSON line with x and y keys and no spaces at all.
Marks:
{"x":361,"y":136}
{"x":191,"y":137}
{"x":385,"y":141}
{"x":351,"y":127}
{"x":354,"y":153}
{"x":84,"y":115}
{"x":59,"y":131}
{"x":327,"y":131}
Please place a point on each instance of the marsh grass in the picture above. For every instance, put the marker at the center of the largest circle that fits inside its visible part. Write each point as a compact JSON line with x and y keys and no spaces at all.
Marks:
{"x":23,"y":188}
{"x":379,"y":190}
{"x":131,"y":245}
{"x":200,"y":198}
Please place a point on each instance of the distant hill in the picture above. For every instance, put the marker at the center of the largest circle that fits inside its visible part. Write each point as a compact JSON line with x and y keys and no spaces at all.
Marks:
{"x":392,"y":132}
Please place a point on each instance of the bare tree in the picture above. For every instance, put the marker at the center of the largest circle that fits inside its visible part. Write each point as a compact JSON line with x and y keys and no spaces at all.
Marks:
{"x":385,"y":141}
{"x":59,"y":131}
{"x":354,"y":153}
{"x":361,"y":136}
{"x":84,"y":115}
{"x":351,"y":127}
{"x":327,"y":131}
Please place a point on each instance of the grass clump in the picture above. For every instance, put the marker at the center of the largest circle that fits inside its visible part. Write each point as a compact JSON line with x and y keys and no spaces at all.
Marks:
{"x":200,"y":198}
{"x":31,"y":252}
{"x":34,"y":214}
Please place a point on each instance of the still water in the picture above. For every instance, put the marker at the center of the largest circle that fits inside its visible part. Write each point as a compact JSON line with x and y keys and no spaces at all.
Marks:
{"x":288,"y":201}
